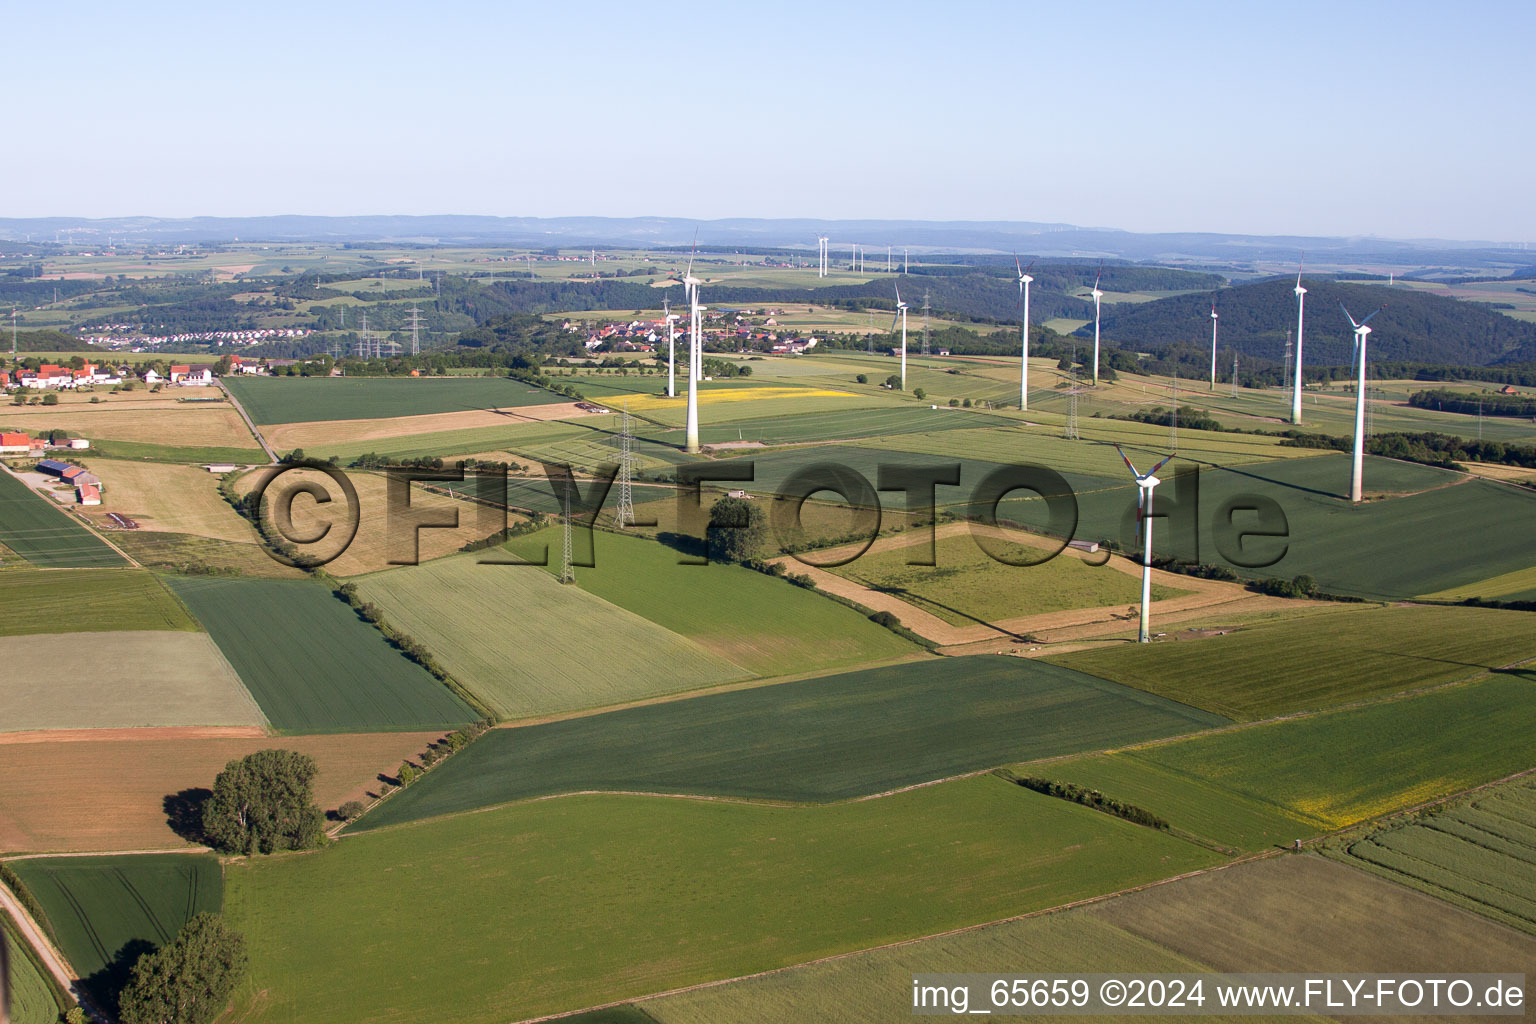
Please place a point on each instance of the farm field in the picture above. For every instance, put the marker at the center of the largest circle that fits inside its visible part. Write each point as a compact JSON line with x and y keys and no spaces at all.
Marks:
{"x":158,"y":678}
{"x":834,"y":425}
{"x":47,"y":537}
{"x":966,"y":584}
{"x":272,"y":400}
{"x":765,"y":625}
{"x":827,"y":738}
{"x":1478,"y":853}
{"x":32,"y":999}
{"x":312,"y":664}
{"x":167,"y":424}
{"x":373,"y":547}
{"x":167,"y":498}
{"x":740,"y":403}
{"x":106,"y":790}
{"x":325,"y":434}
{"x":103,"y":912}
{"x":1330,"y":770}
{"x":568,"y":651}
{"x":87,"y":601}
{"x":884,"y":870}
{"x":1389,"y":650}
{"x":194,"y":555}
{"x":1519,"y":585}
{"x":1281,"y":914}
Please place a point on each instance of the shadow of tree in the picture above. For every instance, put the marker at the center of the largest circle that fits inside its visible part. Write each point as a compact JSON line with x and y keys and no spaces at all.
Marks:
{"x":184,"y":813}
{"x":107,"y":984}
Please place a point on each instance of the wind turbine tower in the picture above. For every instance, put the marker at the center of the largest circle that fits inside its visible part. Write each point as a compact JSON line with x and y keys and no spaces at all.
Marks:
{"x":927,"y":311}
{"x":1357,"y":463}
{"x":1145,"y":484}
{"x":1024,"y":282}
{"x":901,"y":313}
{"x":672,"y":318}
{"x":1098,"y":297}
{"x":695,"y":353}
{"x":1301,"y":311}
{"x":1213,"y":344}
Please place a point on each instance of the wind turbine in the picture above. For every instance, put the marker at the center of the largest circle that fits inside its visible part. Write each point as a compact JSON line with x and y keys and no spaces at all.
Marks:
{"x":1097,"y":296}
{"x":672,"y":319}
{"x":1213,"y":343}
{"x":1357,"y":464}
{"x":695,"y":351}
{"x":901,"y":314}
{"x":1301,"y":307}
{"x":1024,"y":282}
{"x":1145,"y":482}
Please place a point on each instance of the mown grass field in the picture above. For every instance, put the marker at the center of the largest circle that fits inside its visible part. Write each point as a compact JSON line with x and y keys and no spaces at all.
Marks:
{"x":312,"y":664}
{"x":966,"y":584}
{"x":1283,"y":914}
{"x":47,"y":537}
{"x":827,"y":738}
{"x":562,"y":650}
{"x":690,"y":891}
{"x":173,"y":499}
{"x":157,"y":678}
{"x":193,"y":554}
{"x":103,"y":912}
{"x":1325,"y":772}
{"x":304,"y":399}
{"x":1337,"y":655}
{"x":87,"y":600}
{"x":765,"y":625}
{"x":1479,"y":853}
{"x":159,"y":426}
{"x":32,"y":999}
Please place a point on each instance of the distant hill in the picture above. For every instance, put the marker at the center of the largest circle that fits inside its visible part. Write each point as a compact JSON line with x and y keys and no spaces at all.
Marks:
{"x":1253,"y":318}
{"x":48,"y":341}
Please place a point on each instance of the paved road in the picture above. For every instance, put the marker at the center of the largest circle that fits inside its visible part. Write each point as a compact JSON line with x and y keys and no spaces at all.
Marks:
{"x":52,"y":959}
{"x":271,"y":455}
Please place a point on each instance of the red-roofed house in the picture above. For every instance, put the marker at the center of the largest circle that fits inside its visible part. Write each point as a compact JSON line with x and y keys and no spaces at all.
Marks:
{"x":88,"y":494}
{"x":14,"y":443}
{"x":178,"y":373}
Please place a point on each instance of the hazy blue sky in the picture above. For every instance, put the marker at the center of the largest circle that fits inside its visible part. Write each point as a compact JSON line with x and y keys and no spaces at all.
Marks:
{"x":1401,"y":119}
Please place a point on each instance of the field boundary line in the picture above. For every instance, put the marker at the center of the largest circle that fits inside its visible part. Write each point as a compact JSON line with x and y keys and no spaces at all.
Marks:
{"x":250,"y":423}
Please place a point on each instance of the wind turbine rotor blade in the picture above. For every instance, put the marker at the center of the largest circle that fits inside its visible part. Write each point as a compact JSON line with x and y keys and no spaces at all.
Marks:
{"x":1016,"y":264}
{"x":1030,"y":267}
{"x":1160,"y":465}
{"x":1352,"y":321}
{"x":898,"y":296}
{"x":1368,"y":319}
{"x":1128,"y":465}
{"x":895,"y":317}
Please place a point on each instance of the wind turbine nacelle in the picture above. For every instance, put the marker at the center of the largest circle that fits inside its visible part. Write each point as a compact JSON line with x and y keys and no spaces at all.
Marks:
{"x":1300,"y":291}
{"x":1026,"y":279}
{"x":1148,"y":482}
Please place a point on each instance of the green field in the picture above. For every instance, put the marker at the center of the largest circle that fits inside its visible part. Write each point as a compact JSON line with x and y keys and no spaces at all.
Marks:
{"x":966,"y":585}
{"x":1335,"y":655}
{"x":558,"y":651}
{"x":1326,"y":771}
{"x":819,"y":739}
{"x":312,"y":664}
{"x":306,"y":399}
{"x":47,"y":537}
{"x":1281,"y":914}
{"x":103,"y":912}
{"x":31,"y":996}
{"x":688,"y":891}
{"x":108,"y":449}
{"x":765,"y":625}
{"x":834,"y":425}
{"x":1478,"y":853}
{"x":85,"y":601}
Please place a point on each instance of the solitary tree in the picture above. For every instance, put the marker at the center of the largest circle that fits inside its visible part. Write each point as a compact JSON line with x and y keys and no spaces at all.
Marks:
{"x":264,"y":802}
{"x":738,"y":528}
{"x":189,"y":981}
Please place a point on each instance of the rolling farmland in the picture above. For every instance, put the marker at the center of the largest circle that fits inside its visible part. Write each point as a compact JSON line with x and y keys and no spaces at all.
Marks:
{"x":47,"y":537}
{"x":312,"y":664}
{"x":272,"y":400}
{"x":159,"y":678}
{"x":967,"y":585}
{"x":765,"y":625}
{"x":1330,"y":770}
{"x":562,"y":654}
{"x":105,"y":911}
{"x":87,"y":600}
{"x":1389,"y":650}
{"x":1285,"y":914}
{"x":1479,"y":853}
{"x":697,"y":890}
{"x":827,"y":738}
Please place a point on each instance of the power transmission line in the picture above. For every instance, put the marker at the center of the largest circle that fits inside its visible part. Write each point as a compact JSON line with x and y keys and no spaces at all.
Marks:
{"x":626,"y":512}
{"x":567,"y":571}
